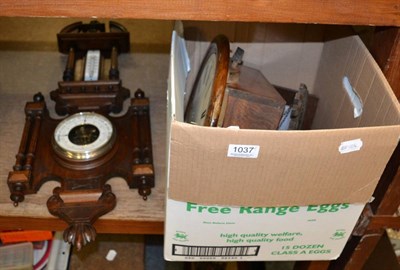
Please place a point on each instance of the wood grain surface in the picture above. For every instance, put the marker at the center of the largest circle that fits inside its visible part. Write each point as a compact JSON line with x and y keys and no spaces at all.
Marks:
{"x":366,"y":12}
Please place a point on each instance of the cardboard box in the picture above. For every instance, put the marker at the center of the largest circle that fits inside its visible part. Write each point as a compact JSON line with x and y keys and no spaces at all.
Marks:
{"x":298,"y":195}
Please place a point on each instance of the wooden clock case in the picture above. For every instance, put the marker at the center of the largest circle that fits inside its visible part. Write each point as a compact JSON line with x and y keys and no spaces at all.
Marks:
{"x":84,"y":195}
{"x":240,"y":95}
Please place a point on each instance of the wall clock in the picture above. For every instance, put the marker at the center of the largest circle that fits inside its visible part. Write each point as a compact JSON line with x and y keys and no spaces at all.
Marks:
{"x":227,"y":93}
{"x":87,"y":147}
{"x":205,"y":101}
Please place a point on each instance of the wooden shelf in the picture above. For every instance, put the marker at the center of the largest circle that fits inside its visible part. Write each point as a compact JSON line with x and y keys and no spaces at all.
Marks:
{"x":103,"y":225}
{"x":366,"y":12}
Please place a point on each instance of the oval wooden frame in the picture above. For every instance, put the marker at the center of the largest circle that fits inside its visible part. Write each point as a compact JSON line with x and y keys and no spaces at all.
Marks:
{"x":220,"y":47}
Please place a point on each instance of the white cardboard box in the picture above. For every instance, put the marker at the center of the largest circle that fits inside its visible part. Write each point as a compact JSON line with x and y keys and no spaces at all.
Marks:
{"x":198,"y":232}
{"x":320,"y":178}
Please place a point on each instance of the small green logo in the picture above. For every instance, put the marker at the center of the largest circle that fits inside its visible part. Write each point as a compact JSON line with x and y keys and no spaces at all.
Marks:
{"x":181,"y":236}
{"x":339,"y":234}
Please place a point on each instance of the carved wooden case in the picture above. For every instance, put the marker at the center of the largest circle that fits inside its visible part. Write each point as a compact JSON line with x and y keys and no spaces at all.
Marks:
{"x":84,"y":195}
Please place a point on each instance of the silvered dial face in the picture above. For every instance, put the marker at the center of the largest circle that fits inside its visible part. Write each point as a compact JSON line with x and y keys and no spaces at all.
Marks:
{"x":204,"y":87}
{"x":83,"y":136}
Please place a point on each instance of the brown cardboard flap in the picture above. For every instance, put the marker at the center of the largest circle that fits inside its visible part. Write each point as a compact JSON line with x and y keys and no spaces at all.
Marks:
{"x":293,"y":168}
{"x":348,"y":57}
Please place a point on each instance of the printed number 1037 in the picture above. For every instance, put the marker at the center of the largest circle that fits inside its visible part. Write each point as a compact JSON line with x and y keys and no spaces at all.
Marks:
{"x":243,"y":151}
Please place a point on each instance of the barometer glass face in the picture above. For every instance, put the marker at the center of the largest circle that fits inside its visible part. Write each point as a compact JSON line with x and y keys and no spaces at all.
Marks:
{"x":83,"y":136}
{"x":204,"y":87}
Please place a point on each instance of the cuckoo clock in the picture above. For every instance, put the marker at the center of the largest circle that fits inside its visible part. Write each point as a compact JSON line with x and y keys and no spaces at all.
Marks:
{"x":87,"y":147}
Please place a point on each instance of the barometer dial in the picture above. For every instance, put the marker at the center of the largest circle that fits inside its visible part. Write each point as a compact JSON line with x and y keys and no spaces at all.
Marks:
{"x":83,"y":136}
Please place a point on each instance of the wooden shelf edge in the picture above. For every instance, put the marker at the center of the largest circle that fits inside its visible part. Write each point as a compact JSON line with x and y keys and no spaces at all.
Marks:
{"x":366,"y":12}
{"x":101,"y":225}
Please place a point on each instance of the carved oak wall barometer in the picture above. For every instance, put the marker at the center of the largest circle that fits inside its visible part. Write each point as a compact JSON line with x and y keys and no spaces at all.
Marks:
{"x":89,"y":146}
